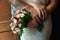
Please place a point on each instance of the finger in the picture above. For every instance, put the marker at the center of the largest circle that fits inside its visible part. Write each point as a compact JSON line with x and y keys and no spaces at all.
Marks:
{"x":42,"y":14}
{"x":41,"y":21}
{"x":38,"y":20}
{"x":45,"y":14}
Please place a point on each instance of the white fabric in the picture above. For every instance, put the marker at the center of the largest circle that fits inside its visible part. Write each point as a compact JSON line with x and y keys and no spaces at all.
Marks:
{"x":33,"y":34}
{"x":38,"y":1}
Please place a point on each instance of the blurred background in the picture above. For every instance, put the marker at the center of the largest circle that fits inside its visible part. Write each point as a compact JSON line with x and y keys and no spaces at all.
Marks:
{"x":5,"y":31}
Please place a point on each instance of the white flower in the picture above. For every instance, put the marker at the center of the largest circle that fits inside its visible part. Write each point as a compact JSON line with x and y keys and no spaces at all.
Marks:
{"x":11,"y":24}
{"x":22,"y":15}
{"x":20,"y":25}
{"x":24,"y":12}
{"x":12,"y":28}
{"x":17,"y":29}
{"x":14,"y":32}
{"x":21,"y":11}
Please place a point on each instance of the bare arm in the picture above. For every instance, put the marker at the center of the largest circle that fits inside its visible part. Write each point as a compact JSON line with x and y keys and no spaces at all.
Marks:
{"x":18,"y":3}
{"x":52,"y":5}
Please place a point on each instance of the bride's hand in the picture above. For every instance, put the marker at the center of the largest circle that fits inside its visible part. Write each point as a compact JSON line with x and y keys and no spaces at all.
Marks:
{"x":33,"y":22}
{"x":39,"y":13}
{"x":42,"y":10}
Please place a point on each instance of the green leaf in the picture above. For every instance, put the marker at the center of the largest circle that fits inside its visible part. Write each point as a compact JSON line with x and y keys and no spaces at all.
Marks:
{"x":28,"y":16}
{"x":25,"y":10}
{"x":24,"y":21}
{"x":21,"y":29}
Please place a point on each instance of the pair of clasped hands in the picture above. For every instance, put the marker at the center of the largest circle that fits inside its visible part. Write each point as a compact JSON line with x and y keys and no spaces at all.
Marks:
{"x":39,"y":14}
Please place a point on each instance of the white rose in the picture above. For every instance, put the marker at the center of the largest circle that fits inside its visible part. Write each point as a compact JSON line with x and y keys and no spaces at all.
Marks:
{"x":12,"y":28}
{"x":22,"y":15}
{"x":20,"y":25}
{"x":14,"y":32}
{"x":17,"y":29}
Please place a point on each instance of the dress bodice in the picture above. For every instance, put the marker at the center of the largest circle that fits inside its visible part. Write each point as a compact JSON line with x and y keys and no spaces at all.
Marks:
{"x":38,"y":1}
{"x":46,"y":2}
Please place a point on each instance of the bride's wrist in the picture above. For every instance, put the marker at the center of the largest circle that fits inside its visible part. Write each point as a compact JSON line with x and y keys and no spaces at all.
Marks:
{"x":32,"y":3}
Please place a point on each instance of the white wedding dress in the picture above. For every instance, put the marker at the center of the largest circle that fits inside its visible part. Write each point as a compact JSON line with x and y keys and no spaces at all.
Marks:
{"x":34,"y":34}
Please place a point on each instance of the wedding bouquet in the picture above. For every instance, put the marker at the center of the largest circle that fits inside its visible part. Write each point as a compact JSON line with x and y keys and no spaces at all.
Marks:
{"x":20,"y":20}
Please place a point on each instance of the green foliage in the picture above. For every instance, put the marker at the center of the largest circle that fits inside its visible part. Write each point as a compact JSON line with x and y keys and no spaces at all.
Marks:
{"x":24,"y":21}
